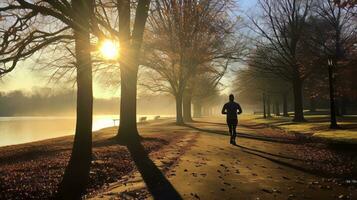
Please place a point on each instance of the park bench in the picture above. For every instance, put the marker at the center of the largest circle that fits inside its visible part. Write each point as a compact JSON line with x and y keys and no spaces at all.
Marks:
{"x":142,"y":119}
{"x":114,"y":120}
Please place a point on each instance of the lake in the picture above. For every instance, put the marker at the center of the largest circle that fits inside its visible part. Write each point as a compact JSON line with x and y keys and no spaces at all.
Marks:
{"x":17,"y":130}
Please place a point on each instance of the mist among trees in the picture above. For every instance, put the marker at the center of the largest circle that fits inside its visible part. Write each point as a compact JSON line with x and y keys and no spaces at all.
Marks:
{"x":45,"y":102}
{"x":174,"y":55}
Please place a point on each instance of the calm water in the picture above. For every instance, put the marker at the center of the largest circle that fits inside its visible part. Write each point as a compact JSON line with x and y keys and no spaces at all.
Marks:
{"x":17,"y":130}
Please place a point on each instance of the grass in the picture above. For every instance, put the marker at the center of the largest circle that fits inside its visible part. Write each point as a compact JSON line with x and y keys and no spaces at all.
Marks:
{"x":316,"y":125}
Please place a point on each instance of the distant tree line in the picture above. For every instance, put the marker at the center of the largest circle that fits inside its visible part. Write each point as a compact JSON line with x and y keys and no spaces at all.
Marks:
{"x":306,"y":50}
{"x":43,"y":102}
{"x":17,"y":103}
{"x":188,"y":44}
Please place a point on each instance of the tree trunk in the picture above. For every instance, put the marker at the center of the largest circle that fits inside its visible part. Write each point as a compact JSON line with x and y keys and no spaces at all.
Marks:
{"x":277,"y":110}
{"x":312,"y":104}
{"x":127,"y":126}
{"x":338,"y":106}
{"x":129,"y":64}
{"x":298,"y":101}
{"x":197,"y":110}
{"x":187,"y":116}
{"x":268,"y":106}
{"x":333,"y":121}
{"x":179,"y":117}
{"x":285,"y":105}
{"x":264,"y":107}
{"x":76,"y":176}
{"x":343,"y":106}
{"x":205,"y":111}
{"x":273,"y":105}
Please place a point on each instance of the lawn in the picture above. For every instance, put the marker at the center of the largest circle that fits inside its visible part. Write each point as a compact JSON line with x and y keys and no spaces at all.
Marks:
{"x":316,"y":126}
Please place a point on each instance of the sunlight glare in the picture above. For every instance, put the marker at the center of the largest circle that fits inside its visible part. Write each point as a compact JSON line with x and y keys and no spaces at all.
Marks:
{"x":109,"y":49}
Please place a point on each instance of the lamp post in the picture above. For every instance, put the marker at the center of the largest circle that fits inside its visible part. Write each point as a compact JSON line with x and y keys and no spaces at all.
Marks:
{"x":333,"y":122}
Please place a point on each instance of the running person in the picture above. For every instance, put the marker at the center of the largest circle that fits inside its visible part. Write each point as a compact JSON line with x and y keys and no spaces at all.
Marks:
{"x":232,"y":109}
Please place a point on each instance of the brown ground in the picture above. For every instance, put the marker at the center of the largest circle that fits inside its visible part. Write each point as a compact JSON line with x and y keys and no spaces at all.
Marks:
{"x":34,"y":170}
{"x":190,"y":162}
{"x":266,"y":164}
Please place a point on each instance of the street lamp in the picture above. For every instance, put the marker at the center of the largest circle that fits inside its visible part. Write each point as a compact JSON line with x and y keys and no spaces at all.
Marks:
{"x":333,"y":122}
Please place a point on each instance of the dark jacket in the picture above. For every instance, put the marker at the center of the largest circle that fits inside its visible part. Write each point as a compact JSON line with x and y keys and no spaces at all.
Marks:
{"x":231,"y":109}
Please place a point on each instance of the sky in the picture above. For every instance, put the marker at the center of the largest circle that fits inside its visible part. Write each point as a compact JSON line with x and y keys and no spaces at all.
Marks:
{"x":246,"y":4}
{"x":24,"y":78}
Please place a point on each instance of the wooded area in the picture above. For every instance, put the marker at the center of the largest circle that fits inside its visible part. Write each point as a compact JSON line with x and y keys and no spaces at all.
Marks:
{"x":288,"y":52}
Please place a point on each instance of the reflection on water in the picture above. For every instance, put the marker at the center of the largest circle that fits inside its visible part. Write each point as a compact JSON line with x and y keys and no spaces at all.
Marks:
{"x":16,"y":130}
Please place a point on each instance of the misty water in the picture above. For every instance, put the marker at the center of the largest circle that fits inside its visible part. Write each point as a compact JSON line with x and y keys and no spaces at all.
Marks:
{"x":17,"y":130}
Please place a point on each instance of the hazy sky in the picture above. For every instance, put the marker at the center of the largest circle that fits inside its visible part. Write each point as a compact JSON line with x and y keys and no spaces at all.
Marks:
{"x":23,"y":78}
{"x":246,"y":4}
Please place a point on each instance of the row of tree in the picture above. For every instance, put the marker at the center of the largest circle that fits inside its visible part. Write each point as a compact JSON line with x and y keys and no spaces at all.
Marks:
{"x":186,"y":50}
{"x":31,"y":26}
{"x":297,"y":44}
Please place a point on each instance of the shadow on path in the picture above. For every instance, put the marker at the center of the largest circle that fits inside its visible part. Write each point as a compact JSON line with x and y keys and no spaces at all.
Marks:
{"x":156,"y":182}
{"x":262,"y":154}
{"x":286,"y":164}
{"x":213,"y":123}
{"x":244,"y":135}
{"x":271,"y":154}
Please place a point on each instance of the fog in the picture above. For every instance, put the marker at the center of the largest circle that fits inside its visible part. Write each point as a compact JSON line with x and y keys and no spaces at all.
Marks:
{"x":46,"y":102}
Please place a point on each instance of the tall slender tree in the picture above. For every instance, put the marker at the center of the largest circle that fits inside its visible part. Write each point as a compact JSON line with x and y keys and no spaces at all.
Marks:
{"x":282,"y":26}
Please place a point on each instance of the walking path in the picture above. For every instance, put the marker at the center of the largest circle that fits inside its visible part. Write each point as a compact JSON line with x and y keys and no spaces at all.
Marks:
{"x":203,"y":165}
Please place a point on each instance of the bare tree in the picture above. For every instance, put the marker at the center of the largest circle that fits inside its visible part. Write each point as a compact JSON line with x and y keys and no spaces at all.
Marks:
{"x":25,"y":33}
{"x":128,"y":27}
{"x":130,"y":42}
{"x":345,"y":3}
{"x":76,"y":176}
{"x":186,"y":36}
{"x":19,"y":37}
{"x":339,"y":38}
{"x":281,"y":27}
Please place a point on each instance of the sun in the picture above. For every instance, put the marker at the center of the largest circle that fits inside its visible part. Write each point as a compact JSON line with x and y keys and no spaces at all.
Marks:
{"x":109,"y":49}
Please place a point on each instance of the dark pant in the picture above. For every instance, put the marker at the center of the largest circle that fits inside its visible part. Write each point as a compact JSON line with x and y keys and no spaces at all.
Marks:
{"x":232,"y":125}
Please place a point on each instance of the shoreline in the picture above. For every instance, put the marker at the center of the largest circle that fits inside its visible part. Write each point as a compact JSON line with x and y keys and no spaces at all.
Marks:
{"x":69,"y":134}
{"x":35,"y":169}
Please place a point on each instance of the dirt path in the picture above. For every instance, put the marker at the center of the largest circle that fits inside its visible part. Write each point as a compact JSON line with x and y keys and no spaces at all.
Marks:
{"x":205,"y":166}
